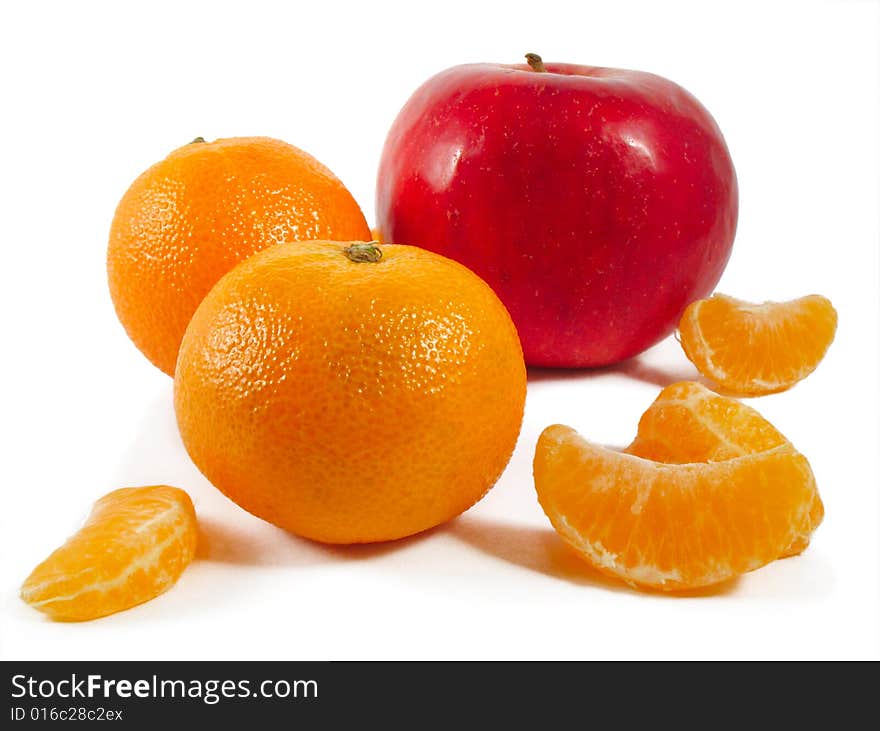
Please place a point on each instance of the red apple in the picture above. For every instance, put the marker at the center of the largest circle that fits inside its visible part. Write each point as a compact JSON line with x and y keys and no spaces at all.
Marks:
{"x":598,"y":203}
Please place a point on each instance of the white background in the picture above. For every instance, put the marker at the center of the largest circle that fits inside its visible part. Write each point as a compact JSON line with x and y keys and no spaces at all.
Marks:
{"x":93,"y":94}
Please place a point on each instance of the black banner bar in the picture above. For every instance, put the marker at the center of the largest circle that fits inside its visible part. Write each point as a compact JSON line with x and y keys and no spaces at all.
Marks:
{"x":412,"y":694}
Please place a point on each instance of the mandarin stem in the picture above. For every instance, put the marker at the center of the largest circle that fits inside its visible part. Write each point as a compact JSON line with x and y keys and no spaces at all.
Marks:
{"x":364,"y":253}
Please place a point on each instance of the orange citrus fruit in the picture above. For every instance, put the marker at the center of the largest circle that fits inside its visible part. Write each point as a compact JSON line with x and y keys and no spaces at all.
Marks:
{"x":689,"y":423}
{"x":755,"y":349}
{"x":672,"y":526}
{"x":190,"y":218}
{"x":134,"y":545}
{"x":351,"y":393}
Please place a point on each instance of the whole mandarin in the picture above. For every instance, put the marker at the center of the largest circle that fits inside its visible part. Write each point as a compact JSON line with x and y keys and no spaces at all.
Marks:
{"x":193,"y":216}
{"x":351,"y":393}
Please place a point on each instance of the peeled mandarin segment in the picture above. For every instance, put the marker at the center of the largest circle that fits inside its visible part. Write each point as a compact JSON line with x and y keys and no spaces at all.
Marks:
{"x":672,"y":527}
{"x":689,"y":423}
{"x":755,"y":349}
{"x":134,"y":545}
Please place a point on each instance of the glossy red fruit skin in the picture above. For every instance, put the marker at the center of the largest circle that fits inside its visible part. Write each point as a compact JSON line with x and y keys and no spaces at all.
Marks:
{"x":598,"y":203}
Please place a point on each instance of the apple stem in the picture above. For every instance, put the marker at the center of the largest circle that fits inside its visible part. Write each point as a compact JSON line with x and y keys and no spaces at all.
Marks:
{"x":364,"y":253}
{"x":536,"y":62}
